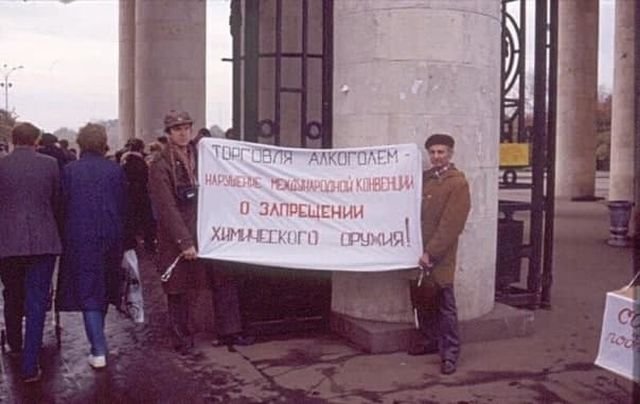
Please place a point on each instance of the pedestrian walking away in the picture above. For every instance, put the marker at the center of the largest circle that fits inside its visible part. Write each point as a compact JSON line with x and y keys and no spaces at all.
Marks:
{"x":29,"y":243}
{"x":94,"y":198}
{"x":49,"y":147}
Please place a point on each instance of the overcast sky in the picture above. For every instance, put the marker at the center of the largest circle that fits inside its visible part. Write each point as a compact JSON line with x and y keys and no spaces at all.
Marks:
{"x":70,"y":58}
{"x":605,"y":40}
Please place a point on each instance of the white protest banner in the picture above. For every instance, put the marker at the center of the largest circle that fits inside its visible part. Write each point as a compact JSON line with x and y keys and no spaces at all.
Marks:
{"x":336,"y":209}
{"x":619,"y":349}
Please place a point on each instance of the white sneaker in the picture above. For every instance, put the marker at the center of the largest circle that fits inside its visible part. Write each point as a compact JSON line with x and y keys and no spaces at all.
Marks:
{"x":98,"y":361}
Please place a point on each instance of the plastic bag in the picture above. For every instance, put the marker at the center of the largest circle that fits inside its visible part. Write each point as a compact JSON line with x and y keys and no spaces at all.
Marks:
{"x":132,"y":304}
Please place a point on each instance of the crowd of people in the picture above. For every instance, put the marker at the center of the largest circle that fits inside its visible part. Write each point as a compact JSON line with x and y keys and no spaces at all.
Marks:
{"x":83,"y":213}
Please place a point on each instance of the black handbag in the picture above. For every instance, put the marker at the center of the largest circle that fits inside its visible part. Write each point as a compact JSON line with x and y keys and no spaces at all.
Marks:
{"x":424,"y":292}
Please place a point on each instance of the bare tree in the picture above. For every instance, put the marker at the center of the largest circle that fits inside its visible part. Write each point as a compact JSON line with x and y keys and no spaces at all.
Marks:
{"x":7,"y":120}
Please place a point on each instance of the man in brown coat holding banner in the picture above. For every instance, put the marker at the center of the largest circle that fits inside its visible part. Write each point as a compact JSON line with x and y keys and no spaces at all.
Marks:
{"x":173,"y":190}
{"x":445,"y":208}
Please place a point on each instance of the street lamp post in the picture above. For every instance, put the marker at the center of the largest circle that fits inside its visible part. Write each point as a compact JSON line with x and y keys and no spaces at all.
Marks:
{"x":6,"y":70}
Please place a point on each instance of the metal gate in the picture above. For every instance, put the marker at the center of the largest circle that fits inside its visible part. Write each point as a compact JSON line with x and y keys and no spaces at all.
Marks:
{"x":282,"y":95}
{"x":538,"y":139}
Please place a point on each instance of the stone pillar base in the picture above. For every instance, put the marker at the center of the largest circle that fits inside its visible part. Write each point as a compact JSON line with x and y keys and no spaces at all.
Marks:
{"x":377,"y":337}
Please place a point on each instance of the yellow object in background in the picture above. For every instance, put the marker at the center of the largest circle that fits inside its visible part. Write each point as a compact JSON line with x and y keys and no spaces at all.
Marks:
{"x":514,"y":155}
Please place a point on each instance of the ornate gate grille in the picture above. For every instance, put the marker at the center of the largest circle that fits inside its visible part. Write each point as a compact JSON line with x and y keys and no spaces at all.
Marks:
{"x":282,"y":95}
{"x":538,"y":133}
{"x":282,"y":71}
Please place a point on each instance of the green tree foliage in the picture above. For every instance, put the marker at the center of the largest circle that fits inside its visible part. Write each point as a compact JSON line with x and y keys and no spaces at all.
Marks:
{"x":6,"y":123}
{"x":603,"y":125}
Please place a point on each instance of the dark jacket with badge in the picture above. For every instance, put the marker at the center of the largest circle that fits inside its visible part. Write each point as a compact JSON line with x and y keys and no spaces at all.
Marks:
{"x":445,"y":207}
{"x":176,"y":215}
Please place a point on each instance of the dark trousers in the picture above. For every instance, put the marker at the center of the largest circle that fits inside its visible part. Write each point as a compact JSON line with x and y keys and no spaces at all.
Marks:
{"x":226,"y":306}
{"x":226,"y":303}
{"x":140,"y":223}
{"x":27,"y":292}
{"x":178,"y":305}
{"x":440,"y":324}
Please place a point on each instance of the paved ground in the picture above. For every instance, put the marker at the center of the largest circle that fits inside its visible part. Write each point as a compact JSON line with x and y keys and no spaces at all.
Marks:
{"x":552,"y":366}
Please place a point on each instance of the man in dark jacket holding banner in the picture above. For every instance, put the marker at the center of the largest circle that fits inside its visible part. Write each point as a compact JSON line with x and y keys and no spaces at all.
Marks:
{"x":445,"y":208}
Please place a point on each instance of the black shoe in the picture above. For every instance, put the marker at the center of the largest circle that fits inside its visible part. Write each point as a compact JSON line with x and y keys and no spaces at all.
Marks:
{"x":33,"y":378}
{"x":243,"y":340}
{"x":184,"y":349}
{"x":447,"y":367}
{"x":183,"y":346}
{"x":235,"y":339}
{"x":420,"y":348}
{"x":182,"y":340}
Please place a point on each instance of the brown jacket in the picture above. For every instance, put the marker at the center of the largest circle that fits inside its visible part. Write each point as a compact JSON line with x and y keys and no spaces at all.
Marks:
{"x":445,"y":207}
{"x":176,"y":223}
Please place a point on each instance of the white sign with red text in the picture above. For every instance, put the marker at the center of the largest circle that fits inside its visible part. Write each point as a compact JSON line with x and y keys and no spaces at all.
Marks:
{"x":619,"y":347}
{"x":354,"y":209}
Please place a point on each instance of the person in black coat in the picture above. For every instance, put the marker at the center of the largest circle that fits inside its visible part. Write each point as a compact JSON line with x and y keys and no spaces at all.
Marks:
{"x":68,"y":155}
{"x":48,"y":146}
{"x":139,"y":216}
{"x":94,"y":198}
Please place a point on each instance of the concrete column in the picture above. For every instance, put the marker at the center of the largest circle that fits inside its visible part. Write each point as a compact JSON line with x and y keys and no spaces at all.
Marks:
{"x":622,"y":120}
{"x":126,"y":77}
{"x":577,"y":98}
{"x":170,"y":74}
{"x":170,"y":63}
{"x":402,"y":71}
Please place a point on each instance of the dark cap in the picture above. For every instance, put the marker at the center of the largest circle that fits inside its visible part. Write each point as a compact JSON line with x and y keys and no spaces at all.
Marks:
{"x":135,"y":144}
{"x":175,"y":118}
{"x":439,"y":138}
{"x":48,"y":139}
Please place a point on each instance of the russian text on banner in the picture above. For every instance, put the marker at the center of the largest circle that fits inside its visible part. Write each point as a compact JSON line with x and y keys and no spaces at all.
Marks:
{"x":336,"y":209}
{"x":619,"y":349}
